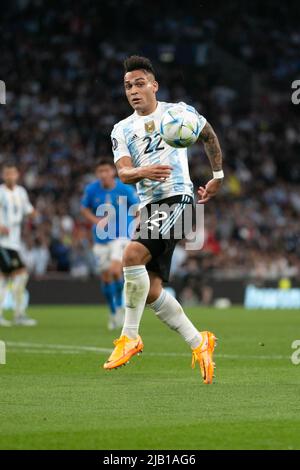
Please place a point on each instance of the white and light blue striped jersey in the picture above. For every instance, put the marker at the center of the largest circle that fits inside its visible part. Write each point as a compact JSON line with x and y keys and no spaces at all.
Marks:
{"x":14,"y":206}
{"x":138,"y":137}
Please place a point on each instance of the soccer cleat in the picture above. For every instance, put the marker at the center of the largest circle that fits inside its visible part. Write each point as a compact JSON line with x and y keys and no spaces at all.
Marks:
{"x":4,"y":322}
{"x":125,"y":348}
{"x":204,"y":355}
{"x":23,"y":320}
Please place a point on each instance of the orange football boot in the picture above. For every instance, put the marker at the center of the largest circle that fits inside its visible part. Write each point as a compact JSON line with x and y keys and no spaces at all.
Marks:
{"x":125,"y":348}
{"x":204,"y":355}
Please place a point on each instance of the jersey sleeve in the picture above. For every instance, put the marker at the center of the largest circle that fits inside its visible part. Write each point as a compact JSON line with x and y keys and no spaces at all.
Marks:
{"x":86,"y":198}
{"x":27,"y":206}
{"x":119,"y":146}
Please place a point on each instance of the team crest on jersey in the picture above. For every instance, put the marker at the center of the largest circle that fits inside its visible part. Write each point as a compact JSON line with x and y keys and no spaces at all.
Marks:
{"x":150,"y":127}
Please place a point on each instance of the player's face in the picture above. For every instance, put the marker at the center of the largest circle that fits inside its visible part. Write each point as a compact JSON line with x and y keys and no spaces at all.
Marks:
{"x":105,"y":174}
{"x":141,"y":89}
{"x":10,"y":176}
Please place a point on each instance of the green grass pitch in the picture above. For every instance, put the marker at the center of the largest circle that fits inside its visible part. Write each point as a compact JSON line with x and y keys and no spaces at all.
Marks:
{"x":55,"y":394}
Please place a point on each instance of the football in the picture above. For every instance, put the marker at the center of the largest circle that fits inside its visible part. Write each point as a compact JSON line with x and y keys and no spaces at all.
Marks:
{"x":180,"y":126}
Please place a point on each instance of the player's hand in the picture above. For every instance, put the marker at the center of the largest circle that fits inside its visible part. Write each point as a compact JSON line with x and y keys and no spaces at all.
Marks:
{"x":209,"y":191}
{"x":156,"y":172}
{"x":102,"y":222}
{"x":4,"y":230}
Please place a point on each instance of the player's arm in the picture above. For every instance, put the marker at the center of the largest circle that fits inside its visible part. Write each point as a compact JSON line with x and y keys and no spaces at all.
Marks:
{"x":28,"y":209}
{"x":129,"y":174}
{"x":88,"y":213}
{"x":33,"y":214}
{"x":214,"y":153}
{"x":4,"y":230}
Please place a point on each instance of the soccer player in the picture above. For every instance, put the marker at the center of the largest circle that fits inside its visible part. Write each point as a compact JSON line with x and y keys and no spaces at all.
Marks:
{"x":14,"y":206}
{"x":161,"y":174}
{"x":108,"y":250}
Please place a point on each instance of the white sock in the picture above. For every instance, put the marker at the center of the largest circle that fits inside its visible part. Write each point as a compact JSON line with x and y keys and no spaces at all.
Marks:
{"x":136,"y":288}
{"x":169,"y":311}
{"x":3,"y":290}
{"x":18,"y":291}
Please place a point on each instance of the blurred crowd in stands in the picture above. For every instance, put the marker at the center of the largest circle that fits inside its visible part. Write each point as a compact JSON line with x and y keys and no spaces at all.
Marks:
{"x":62,"y":64}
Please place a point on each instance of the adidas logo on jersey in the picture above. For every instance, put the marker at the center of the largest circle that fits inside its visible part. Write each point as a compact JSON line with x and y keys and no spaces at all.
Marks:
{"x":134,"y":137}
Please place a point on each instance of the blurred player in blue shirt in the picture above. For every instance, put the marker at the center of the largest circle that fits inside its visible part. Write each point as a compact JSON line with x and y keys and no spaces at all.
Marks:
{"x":105,"y":204}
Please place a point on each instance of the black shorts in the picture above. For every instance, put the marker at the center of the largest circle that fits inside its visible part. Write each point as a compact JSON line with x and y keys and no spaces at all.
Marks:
{"x":162,"y":225}
{"x":10,"y":261}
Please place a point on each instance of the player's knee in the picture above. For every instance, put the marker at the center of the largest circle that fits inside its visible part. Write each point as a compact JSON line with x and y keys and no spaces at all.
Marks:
{"x":131,"y":259}
{"x":106,"y":277}
{"x":116,"y":270}
{"x":135,"y":254}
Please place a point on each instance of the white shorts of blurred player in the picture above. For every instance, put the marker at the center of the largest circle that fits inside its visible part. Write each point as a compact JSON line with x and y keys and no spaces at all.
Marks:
{"x":106,"y":253}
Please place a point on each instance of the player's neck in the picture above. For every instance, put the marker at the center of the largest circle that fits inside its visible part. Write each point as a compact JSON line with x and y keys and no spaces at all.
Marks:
{"x":149,"y":110}
{"x":11,"y":187}
{"x":109,"y":185}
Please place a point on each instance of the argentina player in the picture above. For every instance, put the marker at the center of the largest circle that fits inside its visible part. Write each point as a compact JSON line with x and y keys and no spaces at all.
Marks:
{"x":109,"y":190}
{"x":14,"y":207}
{"x":161,"y":175}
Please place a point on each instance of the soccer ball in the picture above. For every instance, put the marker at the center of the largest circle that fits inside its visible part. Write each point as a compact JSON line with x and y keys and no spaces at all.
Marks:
{"x":180,"y":126}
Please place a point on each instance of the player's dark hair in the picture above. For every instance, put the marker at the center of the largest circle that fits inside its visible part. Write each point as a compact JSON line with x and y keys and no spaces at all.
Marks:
{"x":9,"y":164}
{"x":136,"y":62}
{"x":104,"y":161}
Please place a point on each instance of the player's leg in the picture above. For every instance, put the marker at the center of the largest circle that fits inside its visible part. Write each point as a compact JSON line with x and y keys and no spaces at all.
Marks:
{"x":137,"y":284}
{"x":108,"y":290}
{"x":4,"y":271}
{"x":166,"y":307}
{"x":17,"y":276}
{"x":19,"y":279}
{"x":116,"y":271}
{"x":3,"y":291}
{"x":5,"y":267}
{"x":101,"y":253}
{"x":170,"y":312}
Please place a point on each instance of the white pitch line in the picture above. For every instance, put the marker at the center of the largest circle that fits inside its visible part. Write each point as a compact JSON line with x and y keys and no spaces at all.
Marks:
{"x":42,"y":351}
{"x":76,"y":349}
{"x":58,"y":346}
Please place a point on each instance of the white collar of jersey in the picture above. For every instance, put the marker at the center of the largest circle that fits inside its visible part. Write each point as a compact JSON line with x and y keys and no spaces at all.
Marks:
{"x":157,"y":110}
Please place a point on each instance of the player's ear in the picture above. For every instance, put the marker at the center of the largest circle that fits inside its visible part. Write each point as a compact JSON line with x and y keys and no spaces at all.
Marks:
{"x":155,"y":86}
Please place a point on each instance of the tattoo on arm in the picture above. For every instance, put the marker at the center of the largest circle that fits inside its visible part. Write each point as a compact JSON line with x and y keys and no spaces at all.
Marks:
{"x":212,"y":147}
